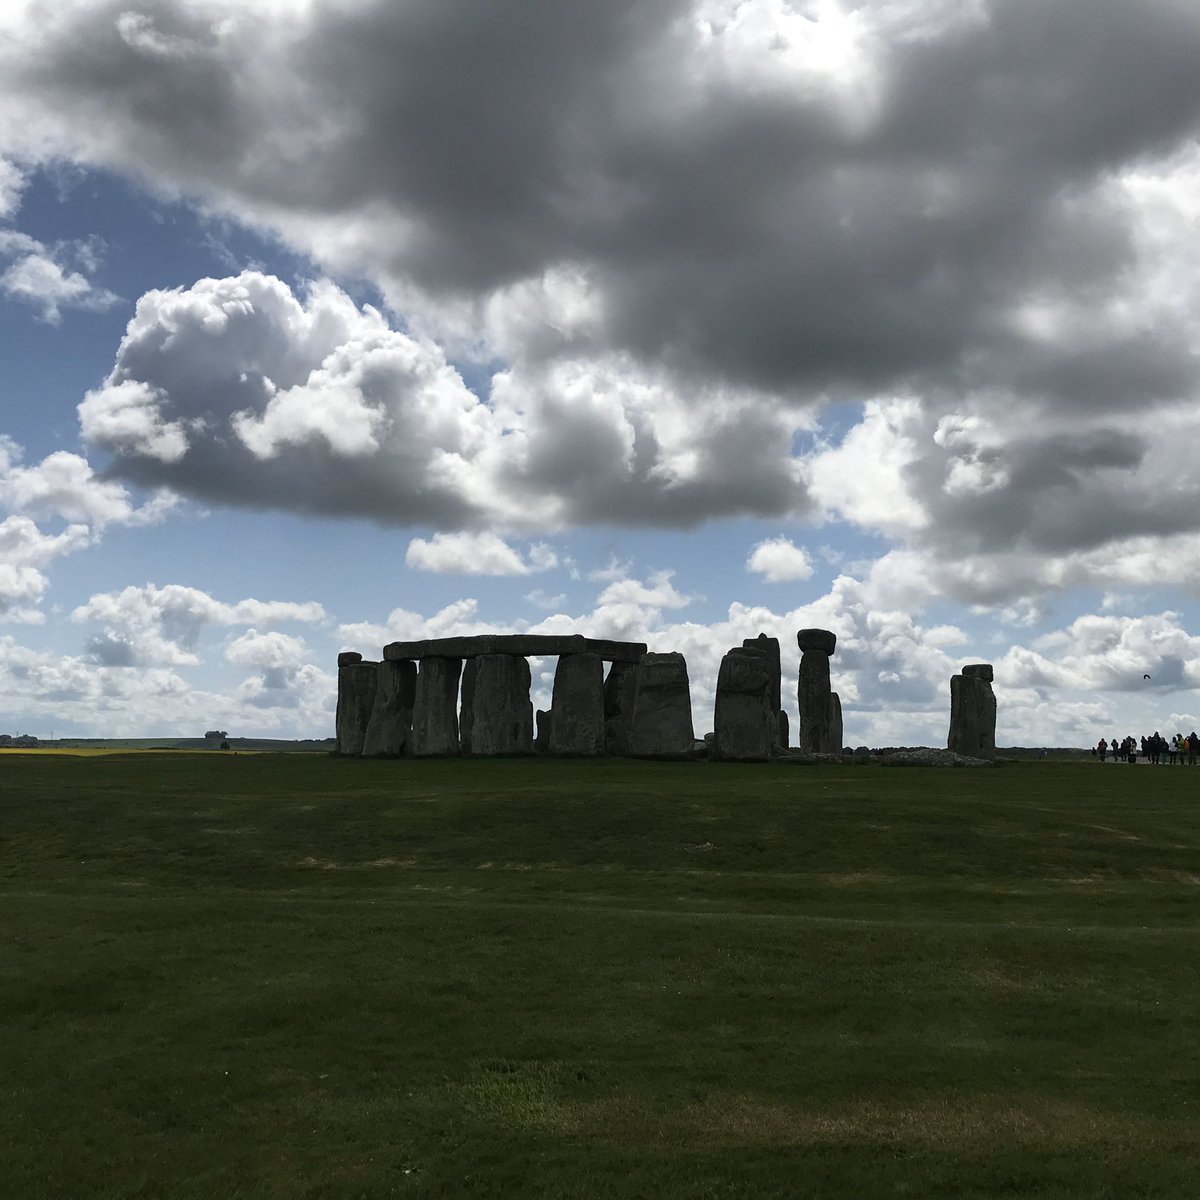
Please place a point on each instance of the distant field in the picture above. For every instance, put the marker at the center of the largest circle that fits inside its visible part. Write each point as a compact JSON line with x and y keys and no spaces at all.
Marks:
{"x":297,"y":976}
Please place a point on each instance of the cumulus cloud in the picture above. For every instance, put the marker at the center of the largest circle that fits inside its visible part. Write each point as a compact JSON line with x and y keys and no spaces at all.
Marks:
{"x":780,"y":560}
{"x":12,"y":184}
{"x":162,"y":626}
{"x":43,"y":276}
{"x":476,"y":554}
{"x":239,"y":391}
{"x":678,"y":232}
{"x":55,"y":508}
{"x":87,"y":697}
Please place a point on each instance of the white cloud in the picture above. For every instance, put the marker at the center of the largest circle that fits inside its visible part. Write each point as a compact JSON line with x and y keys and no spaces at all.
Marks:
{"x":41,"y":275}
{"x":163,"y":625}
{"x":780,"y":560}
{"x":12,"y":184}
{"x":476,"y":554}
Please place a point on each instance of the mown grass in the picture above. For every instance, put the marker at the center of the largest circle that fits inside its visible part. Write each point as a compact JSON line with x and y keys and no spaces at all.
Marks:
{"x":282,"y":976}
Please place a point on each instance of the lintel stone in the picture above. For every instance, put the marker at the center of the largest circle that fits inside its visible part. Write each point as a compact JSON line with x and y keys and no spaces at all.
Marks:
{"x":524,"y":645}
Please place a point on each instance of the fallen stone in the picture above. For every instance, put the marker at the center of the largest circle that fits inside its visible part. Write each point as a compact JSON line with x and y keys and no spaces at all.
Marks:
{"x":435,"y":708}
{"x":390,"y":727}
{"x":497,"y":714}
{"x":357,"y":682}
{"x":934,"y":758}
{"x":578,"y":706}
{"x":662,"y":709}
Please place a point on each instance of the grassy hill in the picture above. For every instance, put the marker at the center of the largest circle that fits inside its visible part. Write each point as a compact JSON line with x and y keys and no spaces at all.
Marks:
{"x":284,"y":975}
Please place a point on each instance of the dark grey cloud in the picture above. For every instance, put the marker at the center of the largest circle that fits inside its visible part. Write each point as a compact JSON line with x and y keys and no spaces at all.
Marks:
{"x":930,"y":200}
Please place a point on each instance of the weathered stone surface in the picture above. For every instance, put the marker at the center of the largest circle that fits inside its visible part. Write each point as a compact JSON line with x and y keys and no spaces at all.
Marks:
{"x":925,"y":757}
{"x":435,"y":709}
{"x":834,"y":724}
{"x":979,"y":671}
{"x":390,"y":726}
{"x":819,"y":641}
{"x":349,"y":657}
{"x":522,"y":645}
{"x":497,"y":714}
{"x":783,"y":736}
{"x":812,"y":696}
{"x":820,"y":729}
{"x":357,"y":682}
{"x":770,"y":647}
{"x":543,"y":721}
{"x":578,"y":706}
{"x":972,"y":714}
{"x":620,"y":688}
{"x":744,"y":720}
{"x":662,"y":709}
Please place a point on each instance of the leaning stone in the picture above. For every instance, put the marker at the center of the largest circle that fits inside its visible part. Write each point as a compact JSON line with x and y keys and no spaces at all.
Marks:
{"x":578,"y":706}
{"x":662,"y":708}
{"x":357,"y":682}
{"x":820,"y":641}
{"x":390,"y":727}
{"x":497,"y":715}
{"x":620,"y":688}
{"x":744,"y":720}
{"x":435,"y":709}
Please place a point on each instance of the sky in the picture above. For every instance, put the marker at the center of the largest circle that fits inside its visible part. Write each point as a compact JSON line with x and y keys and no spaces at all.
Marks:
{"x":325,"y":323}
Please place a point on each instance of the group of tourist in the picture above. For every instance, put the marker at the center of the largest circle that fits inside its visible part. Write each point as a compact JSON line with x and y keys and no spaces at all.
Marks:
{"x":1155,"y":749}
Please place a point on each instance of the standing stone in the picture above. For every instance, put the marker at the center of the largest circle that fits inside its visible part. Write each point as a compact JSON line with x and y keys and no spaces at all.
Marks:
{"x":578,"y":706}
{"x":783,"y":740}
{"x":833,"y":721}
{"x":770,"y":647}
{"x":973,"y":712}
{"x":662,"y":708}
{"x":357,"y":681}
{"x":435,"y":708}
{"x":745,"y":726}
{"x":497,"y":714}
{"x":543,"y":721}
{"x":813,"y":692}
{"x":390,"y":726}
{"x":620,"y":689}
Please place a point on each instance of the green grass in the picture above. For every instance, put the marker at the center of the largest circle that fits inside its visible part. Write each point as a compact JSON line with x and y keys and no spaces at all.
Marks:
{"x":293,"y":976}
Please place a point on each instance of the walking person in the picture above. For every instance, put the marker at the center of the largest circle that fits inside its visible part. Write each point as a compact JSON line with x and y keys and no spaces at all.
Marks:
{"x":1102,"y":748}
{"x":1193,"y":744}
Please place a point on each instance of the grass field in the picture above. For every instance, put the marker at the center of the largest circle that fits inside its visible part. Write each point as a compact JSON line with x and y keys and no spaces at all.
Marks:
{"x":294,"y":976}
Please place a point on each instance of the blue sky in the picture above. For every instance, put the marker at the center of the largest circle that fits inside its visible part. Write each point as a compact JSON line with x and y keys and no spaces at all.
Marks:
{"x":327,"y":324}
